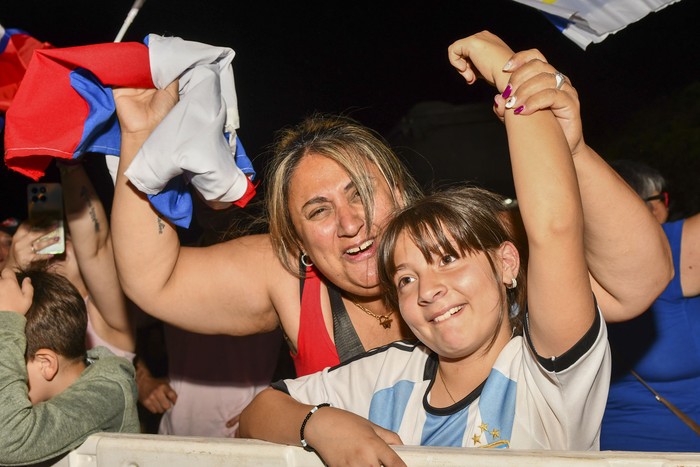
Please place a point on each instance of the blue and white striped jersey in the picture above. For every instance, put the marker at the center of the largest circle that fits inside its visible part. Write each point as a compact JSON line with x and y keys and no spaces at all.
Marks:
{"x":527,"y":402}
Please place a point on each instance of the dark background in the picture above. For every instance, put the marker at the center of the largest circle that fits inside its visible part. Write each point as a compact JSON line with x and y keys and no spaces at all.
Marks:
{"x":384,"y":63}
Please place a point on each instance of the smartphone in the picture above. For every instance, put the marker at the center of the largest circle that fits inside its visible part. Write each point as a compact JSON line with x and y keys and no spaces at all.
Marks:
{"x":45,"y":209}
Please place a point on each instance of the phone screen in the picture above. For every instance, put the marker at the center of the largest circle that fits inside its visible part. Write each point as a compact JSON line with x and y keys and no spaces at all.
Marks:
{"x":45,"y":208}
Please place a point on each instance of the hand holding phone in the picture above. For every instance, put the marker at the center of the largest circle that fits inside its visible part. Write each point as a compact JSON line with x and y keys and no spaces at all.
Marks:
{"x":45,"y":208}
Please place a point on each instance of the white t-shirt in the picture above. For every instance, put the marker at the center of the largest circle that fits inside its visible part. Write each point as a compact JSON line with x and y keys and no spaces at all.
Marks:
{"x":527,"y":402}
{"x":215,"y":378}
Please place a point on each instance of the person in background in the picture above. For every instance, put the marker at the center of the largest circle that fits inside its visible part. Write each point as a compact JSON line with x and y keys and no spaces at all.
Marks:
{"x":88,"y":262}
{"x":658,"y":353}
{"x":55,"y":394}
{"x":478,"y":374}
{"x":210,"y":380}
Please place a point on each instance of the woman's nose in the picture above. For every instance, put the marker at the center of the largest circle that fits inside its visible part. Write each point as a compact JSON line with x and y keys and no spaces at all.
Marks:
{"x":351,"y":219}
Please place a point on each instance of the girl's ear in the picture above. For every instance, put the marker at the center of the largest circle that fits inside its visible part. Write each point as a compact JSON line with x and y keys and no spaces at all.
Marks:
{"x":510,"y":262}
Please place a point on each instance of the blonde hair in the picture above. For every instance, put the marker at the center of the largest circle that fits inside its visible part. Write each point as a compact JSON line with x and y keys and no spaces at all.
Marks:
{"x":344,"y":141}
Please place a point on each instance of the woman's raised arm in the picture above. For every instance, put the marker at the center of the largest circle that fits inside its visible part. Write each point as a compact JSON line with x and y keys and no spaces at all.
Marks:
{"x":628,"y":257}
{"x":222,"y":289}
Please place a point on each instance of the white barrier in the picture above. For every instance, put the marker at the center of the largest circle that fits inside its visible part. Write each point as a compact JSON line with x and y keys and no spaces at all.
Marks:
{"x":124,"y":450}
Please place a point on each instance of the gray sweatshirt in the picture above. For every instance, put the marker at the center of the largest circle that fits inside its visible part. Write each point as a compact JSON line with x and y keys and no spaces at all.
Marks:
{"x":103,"y":399}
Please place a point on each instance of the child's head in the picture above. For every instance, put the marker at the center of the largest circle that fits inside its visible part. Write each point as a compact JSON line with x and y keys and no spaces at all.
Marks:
{"x":55,"y":333}
{"x":465,"y":223}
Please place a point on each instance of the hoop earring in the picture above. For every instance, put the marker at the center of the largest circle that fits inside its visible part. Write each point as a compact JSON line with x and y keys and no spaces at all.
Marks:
{"x":305,"y":260}
{"x":513,"y":284}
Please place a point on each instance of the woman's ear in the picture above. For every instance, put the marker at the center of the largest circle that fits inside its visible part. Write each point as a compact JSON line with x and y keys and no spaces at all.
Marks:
{"x":48,"y":363}
{"x":510,"y":262}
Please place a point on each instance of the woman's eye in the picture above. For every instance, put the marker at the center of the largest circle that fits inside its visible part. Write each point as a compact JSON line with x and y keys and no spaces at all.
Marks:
{"x":316,"y":212}
{"x":446,"y":259}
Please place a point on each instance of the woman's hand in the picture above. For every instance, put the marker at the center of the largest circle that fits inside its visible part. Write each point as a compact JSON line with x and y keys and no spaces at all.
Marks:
{"x":141,"y":110}
{"x":533,"y":87}
{"x":26,"y":243}
{"x":343,"y":438}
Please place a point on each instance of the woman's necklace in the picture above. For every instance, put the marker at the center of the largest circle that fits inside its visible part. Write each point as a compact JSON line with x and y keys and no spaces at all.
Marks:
{"x":384,"y":320}
{"x":444,"y":384}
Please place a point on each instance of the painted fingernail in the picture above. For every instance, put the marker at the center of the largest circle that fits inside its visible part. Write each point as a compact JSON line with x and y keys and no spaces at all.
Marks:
{"x":519,"y":109}
{"x":507,"y":91}
{"x":495,"y":101}
{"x":508,"y":65}
{"x":510,"y":102}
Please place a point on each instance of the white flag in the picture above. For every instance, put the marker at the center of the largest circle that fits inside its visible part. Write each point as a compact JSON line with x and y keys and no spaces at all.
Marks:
{"x":586,"y":21}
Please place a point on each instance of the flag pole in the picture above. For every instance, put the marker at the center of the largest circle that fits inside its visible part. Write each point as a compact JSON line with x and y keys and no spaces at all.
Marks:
{"x":129,"y":19}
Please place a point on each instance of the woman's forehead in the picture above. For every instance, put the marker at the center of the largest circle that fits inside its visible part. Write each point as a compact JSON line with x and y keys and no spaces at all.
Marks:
{"x":315,"y":170}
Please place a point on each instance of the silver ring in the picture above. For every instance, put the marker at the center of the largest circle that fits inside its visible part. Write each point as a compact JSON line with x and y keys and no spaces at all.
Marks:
{"x":560,"y":78}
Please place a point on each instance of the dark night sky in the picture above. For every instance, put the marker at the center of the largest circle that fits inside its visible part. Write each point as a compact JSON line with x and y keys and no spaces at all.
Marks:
{"x":376,"y":60}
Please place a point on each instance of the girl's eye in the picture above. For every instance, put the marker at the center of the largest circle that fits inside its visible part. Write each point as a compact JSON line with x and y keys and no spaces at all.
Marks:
{"x":404,"y":281}
{"x":446,"y":259}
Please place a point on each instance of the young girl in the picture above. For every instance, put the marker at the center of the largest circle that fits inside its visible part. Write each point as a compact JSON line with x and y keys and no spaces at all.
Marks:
{"x":490,"y":370}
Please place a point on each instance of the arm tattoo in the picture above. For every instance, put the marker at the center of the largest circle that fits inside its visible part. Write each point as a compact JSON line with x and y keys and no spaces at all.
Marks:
{"x":161,"y":226}
{"x":85,"y":194}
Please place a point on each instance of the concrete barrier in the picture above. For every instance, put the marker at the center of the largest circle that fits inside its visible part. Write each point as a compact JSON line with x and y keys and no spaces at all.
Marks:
{"x":124,"y":450}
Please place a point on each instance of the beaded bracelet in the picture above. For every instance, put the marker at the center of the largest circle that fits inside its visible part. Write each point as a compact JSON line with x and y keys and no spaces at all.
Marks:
{"x":304,"y":444}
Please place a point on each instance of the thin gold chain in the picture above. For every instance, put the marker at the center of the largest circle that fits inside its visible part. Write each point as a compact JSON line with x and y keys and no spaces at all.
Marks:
{"x":444,"y":384}
{"x":384,"y":320}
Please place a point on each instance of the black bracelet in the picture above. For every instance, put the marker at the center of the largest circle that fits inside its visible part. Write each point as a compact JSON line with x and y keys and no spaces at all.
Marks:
{"x":304,"y":444}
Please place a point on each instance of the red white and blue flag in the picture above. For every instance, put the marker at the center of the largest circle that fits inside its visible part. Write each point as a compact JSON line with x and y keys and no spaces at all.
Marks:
{"x":16,"y":49}
{"x":69,"y":89}
{"x":65,"y":108}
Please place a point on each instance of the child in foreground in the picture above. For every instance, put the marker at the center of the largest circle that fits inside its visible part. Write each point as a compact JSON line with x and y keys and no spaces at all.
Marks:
{"x":490,"y":369}
{"x":55,"y":394}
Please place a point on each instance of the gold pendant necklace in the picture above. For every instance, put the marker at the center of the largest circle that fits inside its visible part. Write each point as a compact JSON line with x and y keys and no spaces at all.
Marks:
{"x":444,"y":384}
{"x":384,"y":320}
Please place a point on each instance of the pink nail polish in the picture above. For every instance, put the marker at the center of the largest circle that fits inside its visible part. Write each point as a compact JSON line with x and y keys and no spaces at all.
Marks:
{"x":507,"y":91}
{"x":519,"y":109}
